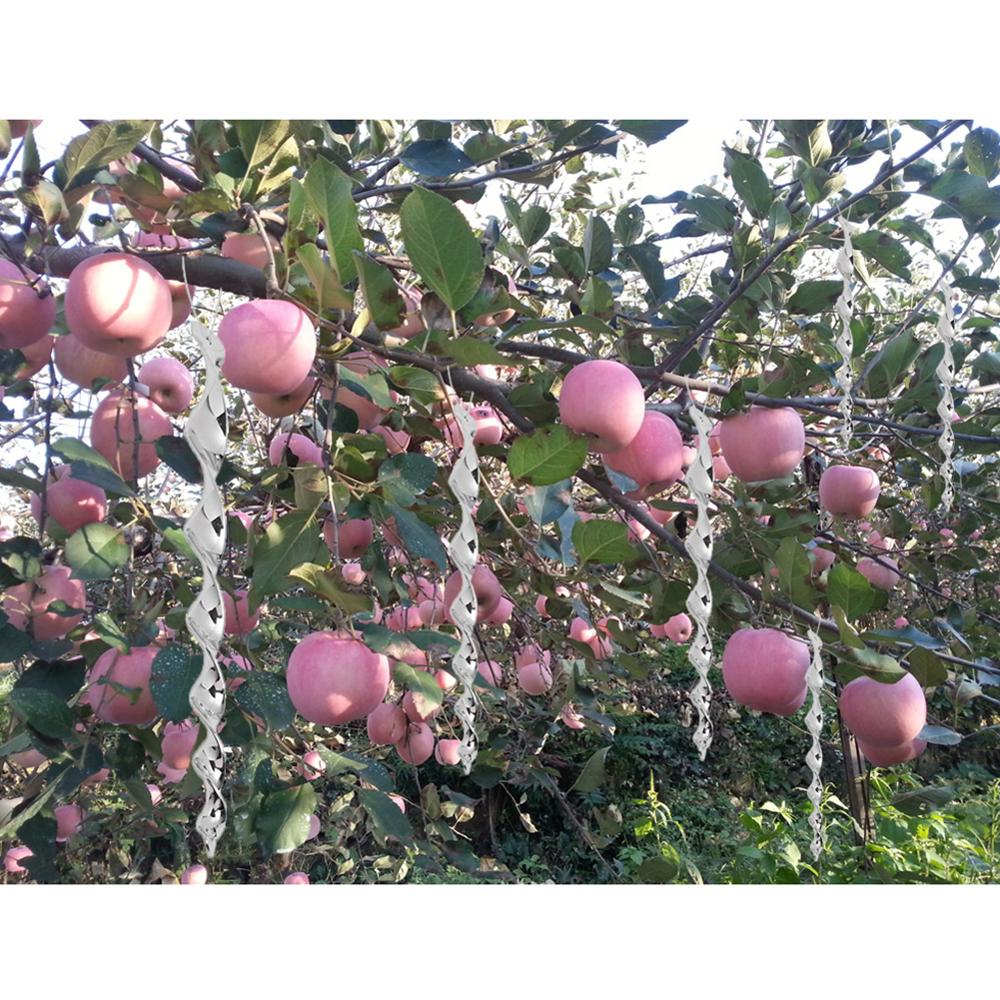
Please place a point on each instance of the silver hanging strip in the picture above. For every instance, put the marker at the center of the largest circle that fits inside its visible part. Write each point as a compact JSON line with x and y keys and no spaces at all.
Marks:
{"x":945,"y":372}
{"x":463,"y":550}
{"x":205,"y":529}
{"x":845,"y":340}
{"x":698,"y":542}
{"x":814,"y":758}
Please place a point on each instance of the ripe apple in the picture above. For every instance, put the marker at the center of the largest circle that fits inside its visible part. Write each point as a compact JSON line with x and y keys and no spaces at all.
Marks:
{"x":169,"y":382}
{"x":284,"y":404}
{"x":118,"y":304}
{"x":603,"y":400}
{"x":653,"y":459}
{"x":884,"y":715}
{"x":31,"y":600}
{"x":418,"y":743}
{"x":25,"y":316}
{"x":82,"y":365}
{"x":112,"y":433}
{"x":387,"y":724}
{"x":485,"y":585}
{"x":237,"y":619}
{"x":129,"y":670}
{"x":765,"y":669}
{"x":849,"y":490}
{"x":765,"y":443}
{"x":249,"y":248}
{"x":270,"y":346}
{"x":334,"y":678}
{"x":350,"y":538}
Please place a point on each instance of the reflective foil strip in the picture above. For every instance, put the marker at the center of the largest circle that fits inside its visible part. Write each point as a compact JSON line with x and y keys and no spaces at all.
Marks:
{"x":463,"y":550}
{"x":844,"y":340}
{"x":814,"y":758}
{"x":205,"y":529}
{"x":945,"y":372}
{"x":698,"y":542}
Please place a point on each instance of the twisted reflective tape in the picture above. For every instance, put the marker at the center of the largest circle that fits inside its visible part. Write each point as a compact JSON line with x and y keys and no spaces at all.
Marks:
{"x":814,"y":757}
{"x":463,"y":550}
{"x":698,"y":542}
{"x":845,"y":340}
{"x":205,"y":529}
{"x":945,"y":372}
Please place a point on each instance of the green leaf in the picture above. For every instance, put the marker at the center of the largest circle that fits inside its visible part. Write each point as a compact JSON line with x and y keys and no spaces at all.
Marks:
{"x":435,"y":158}
{"x":547,"y":455}
{"x":878,"y":666}
{"x":750,"y":182}
{"x":982,"y":152}
{"x":628,"y":224}
{"x":970,"y":195}
{"x":918,"y":801}
{"x":175,"y":669}
{"x":848,"y":634}
{"x":44,"y":711}
{"x":329,"y":585}
{"x":892,"y":363}
{"x":288,"y":542}
{"x":405,"y":477}
{"x":260,"y":140}
{"x":381,"y":293}
{"x":387,"y":818}
{"x":328,"y":191}
{"x":884,"y":250}
{"x":927,"y":667}
{"x":265,"y":695}
{"x":602,"y":542}
{"x":330,"y":293}
{"x":97,"y":475}
{"x":659,"y":870}
{"x":849,"y":590}
{"x":598,"y":245}
{"x":652,"y":130}
{"x":74,"y":450}
{"x":442,"y":247}
{"x":779,"y":221}
{"x":794,"y":573}
{"x":419,"y":538}
{"x":940,"y":735}
{"x":426,"y":692}
{"x":97,"y":148}
{"x":592,"y":776}
{"x":45,"y":201}
{"x":282,"y":823}
{"x":95,"y":551}
{"x":471,"y":351}
{"x":813,"y":297}
{"x":533,"y":224}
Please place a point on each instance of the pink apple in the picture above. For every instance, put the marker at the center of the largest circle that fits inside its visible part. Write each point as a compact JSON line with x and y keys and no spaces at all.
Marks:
{"x":112,"y":433}
{"x":169,"y":382}
{"x":25,"y":316}
{"x":126,"y":670}
{"x":604,"y":401}
{"x":763,"y":444}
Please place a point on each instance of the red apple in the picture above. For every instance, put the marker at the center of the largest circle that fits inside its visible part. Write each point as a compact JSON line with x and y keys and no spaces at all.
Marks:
{"x":765,"y":669}
{"x":169,"y":382}
{"x":129,"y":670}
{"x":112,"y":433}
{"x":765,"y":443}
{"x":603,"y":400}
{"x":849,"y":490}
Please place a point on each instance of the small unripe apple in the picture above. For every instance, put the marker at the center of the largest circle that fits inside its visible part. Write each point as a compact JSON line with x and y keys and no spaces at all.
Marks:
{"x":603,"y":400}
{"x":118,"y":303}
{"x":169,"y":382}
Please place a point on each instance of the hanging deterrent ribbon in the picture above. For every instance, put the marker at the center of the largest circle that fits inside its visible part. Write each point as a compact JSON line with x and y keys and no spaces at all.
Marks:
{"x":814,"y":758}
{"x":945,"y":372}
{"x":205,"y":529}
{"x":463,"y":550}
{"x":845,"y":340}
{"x":698,"y":542}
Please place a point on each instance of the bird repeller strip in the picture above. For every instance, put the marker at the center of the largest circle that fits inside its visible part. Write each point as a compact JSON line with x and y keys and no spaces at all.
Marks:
{"x":845,"y":339}
{"x":463,"y":549}
{"x":205,"y":529}
{"x":814,"y":756}
{"x":945,"y":372}
{"x":698,"y":542}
